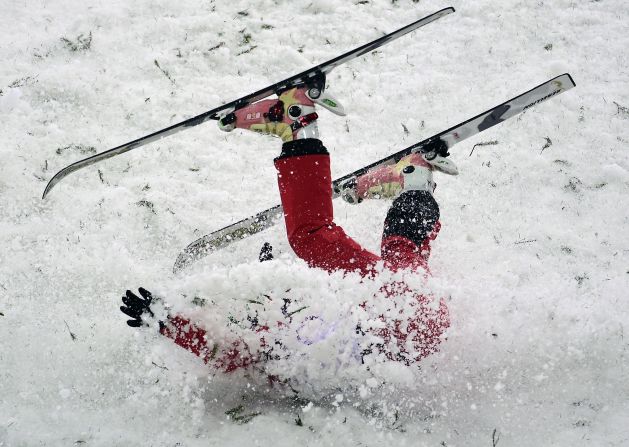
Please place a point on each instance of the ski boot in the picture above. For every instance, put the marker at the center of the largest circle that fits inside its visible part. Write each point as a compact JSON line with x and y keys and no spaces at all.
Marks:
{"x":291,"y":117}
{"x":411,"y":173}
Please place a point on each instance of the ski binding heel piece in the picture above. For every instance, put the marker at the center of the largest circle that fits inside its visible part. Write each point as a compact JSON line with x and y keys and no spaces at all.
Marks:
{"x":441,"y":164}
{"x":348,"y":190}
{"x":227,"y":120}
{"x":327,"y":102}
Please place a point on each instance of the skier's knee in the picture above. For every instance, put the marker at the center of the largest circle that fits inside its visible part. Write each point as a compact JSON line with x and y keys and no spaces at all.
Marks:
{"x":328,"y":247}
{"x":306,"y":241}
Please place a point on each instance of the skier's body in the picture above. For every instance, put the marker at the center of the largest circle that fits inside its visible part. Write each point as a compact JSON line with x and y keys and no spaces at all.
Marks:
{"x":304,"y":181}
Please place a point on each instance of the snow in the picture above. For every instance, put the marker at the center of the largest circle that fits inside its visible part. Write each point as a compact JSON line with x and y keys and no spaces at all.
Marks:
{"x":533,"y":254}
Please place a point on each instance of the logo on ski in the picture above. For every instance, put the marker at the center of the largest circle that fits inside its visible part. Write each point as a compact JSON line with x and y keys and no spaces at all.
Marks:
{"x":557,"y":91}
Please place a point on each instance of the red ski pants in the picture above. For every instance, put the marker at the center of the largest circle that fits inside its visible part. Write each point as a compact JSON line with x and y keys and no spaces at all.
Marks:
{"x":306,"y":193}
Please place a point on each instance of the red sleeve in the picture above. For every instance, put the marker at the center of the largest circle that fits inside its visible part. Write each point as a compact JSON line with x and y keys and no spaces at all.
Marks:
{"x":225,"y":356}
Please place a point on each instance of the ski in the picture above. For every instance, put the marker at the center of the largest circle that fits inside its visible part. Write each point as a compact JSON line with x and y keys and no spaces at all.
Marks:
{"x":437,"y":144}
{"x":313,"y":78}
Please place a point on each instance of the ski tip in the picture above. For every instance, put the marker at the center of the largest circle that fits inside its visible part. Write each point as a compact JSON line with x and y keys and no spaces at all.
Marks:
{"x":61,"y":175}
{"x":183,"y":260}
{"x":53,"y":181}
{"x":444,"y":11}
{"x":563,"y":82}
{"x":192,"y":253}
{"x":574,"y":84}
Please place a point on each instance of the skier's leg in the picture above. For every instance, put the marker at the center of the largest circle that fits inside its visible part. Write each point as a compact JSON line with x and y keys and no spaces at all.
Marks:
{"x":305,"y":187}
{"x":411,"y":224}
{"x":304,"y":180}
{"x":413,"y":219}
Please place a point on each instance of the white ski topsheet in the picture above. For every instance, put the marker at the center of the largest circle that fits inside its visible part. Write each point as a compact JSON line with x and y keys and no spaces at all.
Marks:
{"x":532,"y":255}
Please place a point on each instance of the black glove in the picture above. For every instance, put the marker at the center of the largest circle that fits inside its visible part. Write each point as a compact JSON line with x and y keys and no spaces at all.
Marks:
{"x":136,"y":306}
{"x":266,"y":252}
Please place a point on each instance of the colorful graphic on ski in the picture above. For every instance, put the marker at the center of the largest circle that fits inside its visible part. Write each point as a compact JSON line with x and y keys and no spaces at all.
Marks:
{"x":439,"y":143}
{"x":313,"y":77}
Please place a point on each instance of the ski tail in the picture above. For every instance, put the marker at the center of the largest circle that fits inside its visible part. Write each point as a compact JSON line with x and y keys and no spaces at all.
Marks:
{"x":439,"y":143}
{"x":225,"y":236}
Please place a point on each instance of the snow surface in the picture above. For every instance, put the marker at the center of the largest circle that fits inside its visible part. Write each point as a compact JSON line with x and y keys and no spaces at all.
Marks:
{"x":533,"y":254}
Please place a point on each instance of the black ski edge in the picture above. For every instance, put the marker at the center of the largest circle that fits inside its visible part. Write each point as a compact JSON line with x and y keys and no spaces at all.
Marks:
{"x":292,"y":81}
{"x":215,"y":240}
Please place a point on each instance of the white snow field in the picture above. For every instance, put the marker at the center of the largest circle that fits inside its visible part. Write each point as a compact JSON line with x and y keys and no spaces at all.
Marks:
{"x":533,"y":256}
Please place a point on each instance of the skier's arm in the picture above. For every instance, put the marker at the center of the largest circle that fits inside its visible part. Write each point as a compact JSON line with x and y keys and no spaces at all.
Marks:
{"x":179,"y":329}
{"x":189,"y":336}
{"x":225,"y":356}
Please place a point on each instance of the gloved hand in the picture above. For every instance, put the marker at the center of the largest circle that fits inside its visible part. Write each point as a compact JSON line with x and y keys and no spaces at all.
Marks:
{"x":135,"y":306}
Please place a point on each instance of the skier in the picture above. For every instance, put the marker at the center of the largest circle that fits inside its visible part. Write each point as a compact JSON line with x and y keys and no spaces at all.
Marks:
{"x":304,"y":180}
